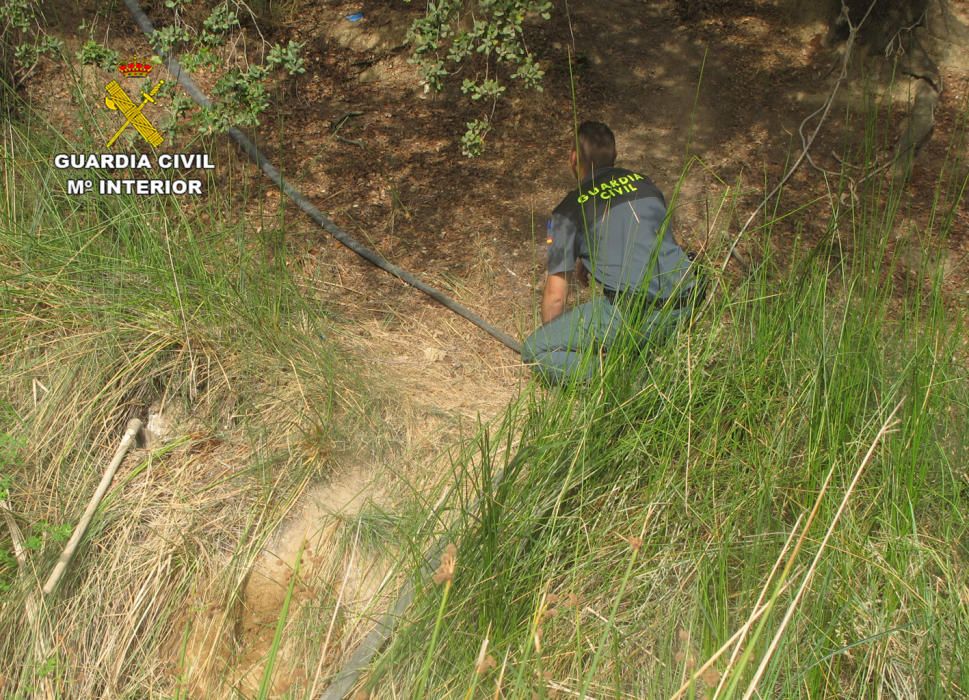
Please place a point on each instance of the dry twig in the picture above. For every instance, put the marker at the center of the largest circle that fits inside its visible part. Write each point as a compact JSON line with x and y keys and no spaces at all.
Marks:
{"x":808,"y":143}
{"x":134,"y":426}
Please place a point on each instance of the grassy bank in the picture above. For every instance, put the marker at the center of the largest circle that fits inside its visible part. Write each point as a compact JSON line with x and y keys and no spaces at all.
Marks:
{"x":773,"y":504}
{"x":114,"y":307}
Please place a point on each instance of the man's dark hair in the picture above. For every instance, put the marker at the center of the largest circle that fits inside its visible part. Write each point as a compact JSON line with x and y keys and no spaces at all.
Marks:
{"x":596,"y":145}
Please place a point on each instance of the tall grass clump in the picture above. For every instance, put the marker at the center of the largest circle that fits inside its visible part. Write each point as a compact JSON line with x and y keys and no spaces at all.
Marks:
{"x":770,"y":504}
{"x":114,"y":307}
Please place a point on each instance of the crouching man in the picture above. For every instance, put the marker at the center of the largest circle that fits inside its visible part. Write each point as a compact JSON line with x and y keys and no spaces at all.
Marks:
{"x":614,"y":228}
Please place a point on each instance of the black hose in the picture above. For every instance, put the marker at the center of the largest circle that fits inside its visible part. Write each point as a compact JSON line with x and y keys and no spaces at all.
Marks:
{"x":349,"y":675}
{"x":319,"y":217}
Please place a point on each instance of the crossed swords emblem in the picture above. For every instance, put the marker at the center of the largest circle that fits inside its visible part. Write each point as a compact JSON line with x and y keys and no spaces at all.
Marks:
{"x":118,"y":99}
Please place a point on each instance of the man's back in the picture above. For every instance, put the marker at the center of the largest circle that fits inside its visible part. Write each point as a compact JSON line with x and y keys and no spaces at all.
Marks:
{"x":616,"y":223}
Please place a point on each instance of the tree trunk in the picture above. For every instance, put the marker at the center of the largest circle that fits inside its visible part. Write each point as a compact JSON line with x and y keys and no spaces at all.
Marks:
{"x":914,"y":34}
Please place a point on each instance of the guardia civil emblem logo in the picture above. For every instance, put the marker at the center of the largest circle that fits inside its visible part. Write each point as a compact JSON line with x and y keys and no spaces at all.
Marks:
{"x":117,"y":99}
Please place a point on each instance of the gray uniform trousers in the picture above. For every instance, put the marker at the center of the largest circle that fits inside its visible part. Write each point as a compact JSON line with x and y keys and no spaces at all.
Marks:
{"x":566,"y":348}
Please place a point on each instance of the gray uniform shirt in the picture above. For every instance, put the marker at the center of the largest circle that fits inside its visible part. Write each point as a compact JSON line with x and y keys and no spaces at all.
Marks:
{"x":616,"y":223}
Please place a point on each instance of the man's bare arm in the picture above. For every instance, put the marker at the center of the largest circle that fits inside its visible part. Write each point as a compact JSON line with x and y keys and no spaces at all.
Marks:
{"x":555,"y":295}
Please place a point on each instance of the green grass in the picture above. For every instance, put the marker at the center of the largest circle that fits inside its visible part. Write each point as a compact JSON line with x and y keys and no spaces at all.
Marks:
{"x":110,"y":305}
{"x":649,"y":514}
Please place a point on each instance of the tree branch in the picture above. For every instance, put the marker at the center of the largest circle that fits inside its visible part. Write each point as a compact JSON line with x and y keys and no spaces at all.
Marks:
{"x":806,"y":145}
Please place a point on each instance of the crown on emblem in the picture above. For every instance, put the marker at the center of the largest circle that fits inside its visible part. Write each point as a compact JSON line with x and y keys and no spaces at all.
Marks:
{"x":134,"y":69}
